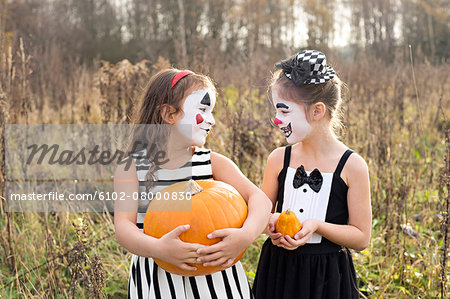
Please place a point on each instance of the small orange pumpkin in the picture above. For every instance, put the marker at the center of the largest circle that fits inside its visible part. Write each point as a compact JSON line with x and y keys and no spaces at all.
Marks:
{"x":288,"y":224}
{"x":214,"y":205}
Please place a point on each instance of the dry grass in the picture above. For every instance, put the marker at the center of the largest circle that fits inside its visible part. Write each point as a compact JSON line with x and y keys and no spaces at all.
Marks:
{"x":403,"y":135}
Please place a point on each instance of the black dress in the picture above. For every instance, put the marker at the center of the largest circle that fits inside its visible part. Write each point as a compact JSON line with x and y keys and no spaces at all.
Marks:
{"x":320,"y":268}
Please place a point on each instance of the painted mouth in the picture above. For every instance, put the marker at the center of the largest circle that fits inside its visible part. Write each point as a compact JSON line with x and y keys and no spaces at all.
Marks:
{"x":287,"y":131}
{"x":207,"y":131}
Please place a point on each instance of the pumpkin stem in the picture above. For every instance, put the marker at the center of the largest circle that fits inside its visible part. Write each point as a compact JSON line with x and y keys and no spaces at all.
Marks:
{"x":288,"y":211}
{"x":193,"y":187}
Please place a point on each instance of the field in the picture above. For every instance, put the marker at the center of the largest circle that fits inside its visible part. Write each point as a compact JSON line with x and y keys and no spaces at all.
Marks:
{"x":396,"y":117}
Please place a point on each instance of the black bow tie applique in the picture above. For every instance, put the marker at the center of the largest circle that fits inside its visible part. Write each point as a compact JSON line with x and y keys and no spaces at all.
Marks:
{"x":314,"y":180}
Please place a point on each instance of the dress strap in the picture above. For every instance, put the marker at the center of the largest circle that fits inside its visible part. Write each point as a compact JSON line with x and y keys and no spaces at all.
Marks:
{"x":344,"y":159}
{"x":282,"y":177}
{"x":287,"y":156}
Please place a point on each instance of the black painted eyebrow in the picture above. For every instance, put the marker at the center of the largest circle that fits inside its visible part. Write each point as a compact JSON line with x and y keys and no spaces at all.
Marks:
{"x":281,"y":105}
{"x":206,"y":100}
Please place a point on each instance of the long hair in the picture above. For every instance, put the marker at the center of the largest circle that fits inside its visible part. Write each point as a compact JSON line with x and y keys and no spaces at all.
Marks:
{"x":158,"y":92}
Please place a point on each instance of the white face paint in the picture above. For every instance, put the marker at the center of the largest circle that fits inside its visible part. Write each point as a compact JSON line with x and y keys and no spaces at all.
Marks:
{"x":291,"y":119}
{"x":197,"y":109}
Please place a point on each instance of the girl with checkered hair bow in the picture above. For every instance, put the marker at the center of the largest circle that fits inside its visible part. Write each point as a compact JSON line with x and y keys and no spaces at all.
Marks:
{"x":318,"y":178}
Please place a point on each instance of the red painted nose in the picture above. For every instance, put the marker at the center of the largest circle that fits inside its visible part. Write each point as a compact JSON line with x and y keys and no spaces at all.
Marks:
{"x":277,"y":121}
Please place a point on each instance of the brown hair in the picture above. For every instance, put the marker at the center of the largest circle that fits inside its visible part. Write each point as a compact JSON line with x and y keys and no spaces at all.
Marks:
{"x":148,"y":111}
{"x":158,"y":92}
{"x":328,"y":93}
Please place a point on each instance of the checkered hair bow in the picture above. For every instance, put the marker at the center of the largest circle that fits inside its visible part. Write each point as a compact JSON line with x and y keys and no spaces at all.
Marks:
{"x":307,"y":67}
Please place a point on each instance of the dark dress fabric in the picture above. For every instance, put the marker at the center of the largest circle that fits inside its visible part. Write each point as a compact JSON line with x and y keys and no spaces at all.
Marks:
{"x":323,"y":270}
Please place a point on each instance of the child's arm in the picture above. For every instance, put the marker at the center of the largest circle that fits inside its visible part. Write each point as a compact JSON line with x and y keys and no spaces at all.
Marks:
{"x":234,"y":241}
{"x":270,"y":188}
{"x":270,"y":180}
{"x":168,"y":248}
{"x":356,"y":234}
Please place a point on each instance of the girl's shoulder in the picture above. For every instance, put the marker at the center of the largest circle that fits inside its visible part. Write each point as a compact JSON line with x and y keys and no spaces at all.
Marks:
{"x":356,"y":163}
{"x":355,"y":168}
{"x":277,"y":155}
{"x":275,"y":160}
{"x":219,"y":159}
{"x":126,"y":169}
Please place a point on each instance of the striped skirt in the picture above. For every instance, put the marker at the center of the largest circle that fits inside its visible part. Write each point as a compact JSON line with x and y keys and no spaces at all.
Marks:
{"x":148,"y":280}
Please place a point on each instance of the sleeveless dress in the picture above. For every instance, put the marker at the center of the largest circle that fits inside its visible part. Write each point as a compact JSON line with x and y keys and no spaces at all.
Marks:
{"x":147,"y":279}
{"x":320,"y":268}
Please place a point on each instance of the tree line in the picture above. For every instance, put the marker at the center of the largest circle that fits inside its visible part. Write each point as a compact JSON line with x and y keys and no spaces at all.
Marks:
{"x":188,"y":31}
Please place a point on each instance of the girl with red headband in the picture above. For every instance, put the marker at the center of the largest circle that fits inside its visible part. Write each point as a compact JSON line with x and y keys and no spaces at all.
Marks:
{"x":318,"y":178}
{"x":183,"y":100}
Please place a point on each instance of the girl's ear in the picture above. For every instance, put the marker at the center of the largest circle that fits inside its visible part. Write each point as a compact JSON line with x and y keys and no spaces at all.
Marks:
{"x":169,"y":114}
{"x":318,"y":111}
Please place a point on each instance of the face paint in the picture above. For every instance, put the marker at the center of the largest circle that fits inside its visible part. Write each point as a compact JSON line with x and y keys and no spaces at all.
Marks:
{"x":197,"y":109}
{"x":291,"y":119}
{"x":199,"y":118}
{"x":277,"y":121}
{"x":282,"y":105}
{"x":206,"y":100}
{"x":287,"y":131}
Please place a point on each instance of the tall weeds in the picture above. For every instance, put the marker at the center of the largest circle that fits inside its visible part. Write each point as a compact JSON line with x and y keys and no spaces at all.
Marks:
{"x":444,"y":187}
{"x":59,"y":255}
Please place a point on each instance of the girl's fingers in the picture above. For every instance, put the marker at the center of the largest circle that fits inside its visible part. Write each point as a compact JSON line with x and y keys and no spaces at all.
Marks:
{"x":186,"y":267}
{"x":304,"y":239}
{"x":190,"y":260}
{"x":228,"y":263}
{"x":275,"y":236}
{"x":298,"y":235}
{"x":176,"y":232}
{"x":209,"y":249}
{"x":290,"y":241}
{"x":284,"y":242}
{"x":220,"y":233}
{"x":191,"y":254}
{"x":287,"y":244}
{"x":275,"y":239}
{"x":193,"y":247}
{"x":217,"y":262}
{"x":285,"y":247}
{"x":278,"y":241}
{"x":209,"y":257}
{"x":302,"y":234}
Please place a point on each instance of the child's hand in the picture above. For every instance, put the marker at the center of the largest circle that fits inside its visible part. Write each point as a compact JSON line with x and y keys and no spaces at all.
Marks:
{"x":274,"y":236}
{"x":300,"y":238}
{"x":223,"y":253}
{"x":172,"y":250}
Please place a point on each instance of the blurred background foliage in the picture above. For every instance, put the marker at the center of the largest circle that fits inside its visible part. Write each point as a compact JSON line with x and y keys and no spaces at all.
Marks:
{"x":86,"y":61}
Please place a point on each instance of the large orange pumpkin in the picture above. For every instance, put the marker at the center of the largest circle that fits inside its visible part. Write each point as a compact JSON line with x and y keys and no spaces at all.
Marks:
{"x":288,"y":223}
{"x":215,"y":205}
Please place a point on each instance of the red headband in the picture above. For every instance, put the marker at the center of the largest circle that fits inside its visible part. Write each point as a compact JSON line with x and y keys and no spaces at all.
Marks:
{"x":180,"y":76}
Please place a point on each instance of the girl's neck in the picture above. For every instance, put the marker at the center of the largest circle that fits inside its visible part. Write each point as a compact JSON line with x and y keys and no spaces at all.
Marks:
{"x":179,"y":151}
{"x":320,"y":142}
{"x":177,"y":154}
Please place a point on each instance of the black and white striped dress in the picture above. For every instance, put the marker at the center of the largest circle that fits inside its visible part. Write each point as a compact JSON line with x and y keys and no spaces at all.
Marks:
{"x":148,"y":280}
